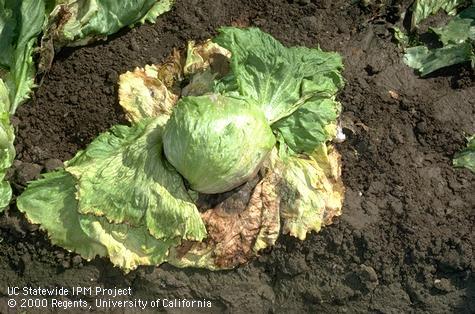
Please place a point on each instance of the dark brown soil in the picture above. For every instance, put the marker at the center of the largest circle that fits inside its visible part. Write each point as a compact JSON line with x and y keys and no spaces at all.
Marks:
{"x":405,"y":242}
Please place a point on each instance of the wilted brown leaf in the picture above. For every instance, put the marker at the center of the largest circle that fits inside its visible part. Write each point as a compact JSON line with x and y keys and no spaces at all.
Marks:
{"x":238,"y":227}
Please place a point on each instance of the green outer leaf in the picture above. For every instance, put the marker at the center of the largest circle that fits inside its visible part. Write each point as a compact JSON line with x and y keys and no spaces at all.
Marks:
{"x":7,"y":154}
{"x":123,"y":176}
{"x":20,"y":24}
{"x":311,"y":125}
{"x":126,"y":246}
{"x":7,"y":150}
{"x":5,"y":194}
{"x":22,"y":70}
{"x":274,"y":76}
{"x":459,"y":29}
{"x":427,"y":61}
{"x":51,"y":203}
{"x":466,"y":158}
{"x":423,"y":8}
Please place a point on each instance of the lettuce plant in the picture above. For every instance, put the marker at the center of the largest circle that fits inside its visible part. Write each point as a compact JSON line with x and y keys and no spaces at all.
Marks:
{"x":241,"y":114}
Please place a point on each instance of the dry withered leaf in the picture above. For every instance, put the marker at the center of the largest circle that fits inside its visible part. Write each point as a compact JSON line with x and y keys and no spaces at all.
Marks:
{"x":206,"y":55}
{"x":238,"y":227}
{"x":142,"y":94}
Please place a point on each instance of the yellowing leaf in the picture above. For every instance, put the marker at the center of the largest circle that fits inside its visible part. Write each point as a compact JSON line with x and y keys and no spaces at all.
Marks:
{"x":311,"y":192}
{"x":203,"y":56}
{"x":143,"y":95}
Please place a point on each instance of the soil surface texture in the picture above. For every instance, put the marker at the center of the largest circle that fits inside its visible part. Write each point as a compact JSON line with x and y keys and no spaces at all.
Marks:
{"x":405,"y":241}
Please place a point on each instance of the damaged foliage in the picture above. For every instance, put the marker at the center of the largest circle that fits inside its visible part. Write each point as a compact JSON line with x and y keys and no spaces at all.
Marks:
{"x":126,"y":199}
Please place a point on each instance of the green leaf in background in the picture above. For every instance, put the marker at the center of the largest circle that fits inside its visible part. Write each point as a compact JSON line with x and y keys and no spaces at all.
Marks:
{"x":421,"y":9}
{"x":20,"y":24}
{"x":7,"y":154}
{"x":7,"y":33}
{"x":427,"y":60}
{"x":466,"y":158}
{"x":7,"y":151}
{"x":157,"y":9}
{"x":124,"y":176}
{"x":79,"y":22}
{"x":274,"y":76}
{"x":459,"y":29}
{"x":458,"y":39}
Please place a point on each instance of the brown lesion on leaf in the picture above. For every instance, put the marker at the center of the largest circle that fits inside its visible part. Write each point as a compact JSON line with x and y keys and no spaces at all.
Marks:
{"x":240,"y":224}
{"x":50,"y":44}
{"x":170,"y":72}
